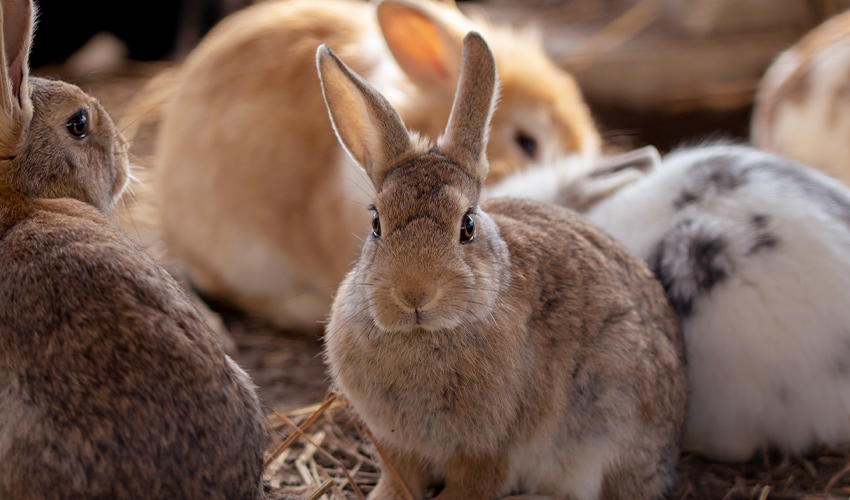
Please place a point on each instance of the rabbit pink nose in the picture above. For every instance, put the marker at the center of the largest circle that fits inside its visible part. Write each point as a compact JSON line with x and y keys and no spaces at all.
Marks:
{"x":414,"y":298}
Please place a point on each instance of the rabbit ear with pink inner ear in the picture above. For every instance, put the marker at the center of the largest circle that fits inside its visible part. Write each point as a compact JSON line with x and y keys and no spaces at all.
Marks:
{"x":365,"y":122}
{"x":426,"y":47}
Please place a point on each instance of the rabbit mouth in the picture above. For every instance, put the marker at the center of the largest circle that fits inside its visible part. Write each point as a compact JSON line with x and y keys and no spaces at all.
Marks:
{"x":401,"y":318}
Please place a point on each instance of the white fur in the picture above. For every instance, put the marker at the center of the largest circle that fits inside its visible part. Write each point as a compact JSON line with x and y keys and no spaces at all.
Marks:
{"x":544,"y":464}
{"x":542,"y":182}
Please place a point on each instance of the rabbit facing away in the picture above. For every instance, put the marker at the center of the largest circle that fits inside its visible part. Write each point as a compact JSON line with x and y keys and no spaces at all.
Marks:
{"x":802,"y":105}
{"x":752,"y":249}
{"x":259,"y":201}
{"x":111,"y":384}
{"x":503,"y":349}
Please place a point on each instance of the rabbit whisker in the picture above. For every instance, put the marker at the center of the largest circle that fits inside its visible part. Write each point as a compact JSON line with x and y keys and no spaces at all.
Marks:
{"x":137,"y":118}
{"x":362,"y":174}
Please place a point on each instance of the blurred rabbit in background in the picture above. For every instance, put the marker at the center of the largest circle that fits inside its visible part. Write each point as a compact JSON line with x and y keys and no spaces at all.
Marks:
{"x":259,"y":201}
{"x":802,"y":107}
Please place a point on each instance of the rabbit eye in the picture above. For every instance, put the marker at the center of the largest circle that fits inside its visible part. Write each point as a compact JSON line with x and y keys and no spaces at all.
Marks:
{"x":78,"y":125}
{"x":527,"y":143}
{"x":467,"y":229}
{"x":376,"y":225}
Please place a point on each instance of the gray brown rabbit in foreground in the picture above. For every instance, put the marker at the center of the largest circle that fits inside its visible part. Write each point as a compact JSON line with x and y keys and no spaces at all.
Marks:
{"x":503,"y":349}
{"x":111,"y":384}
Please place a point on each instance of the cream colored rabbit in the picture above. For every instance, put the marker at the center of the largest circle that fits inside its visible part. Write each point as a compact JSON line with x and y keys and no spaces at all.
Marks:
{"x":260,"y":202}
{"x":802,"y":106}
{"x":506,"y":348}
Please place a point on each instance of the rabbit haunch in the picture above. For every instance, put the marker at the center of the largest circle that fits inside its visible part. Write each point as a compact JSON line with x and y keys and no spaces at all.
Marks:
{"x":111,"y":384}
{"x":259,"y":201}
{"x":503,"y":349}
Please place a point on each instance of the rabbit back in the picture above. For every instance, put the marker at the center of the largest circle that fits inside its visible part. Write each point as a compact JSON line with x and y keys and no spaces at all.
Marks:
{"x":752,"y":251}
{"x":802,"y":105}
{"x":253,"y":149}
{"x":112,"y":385}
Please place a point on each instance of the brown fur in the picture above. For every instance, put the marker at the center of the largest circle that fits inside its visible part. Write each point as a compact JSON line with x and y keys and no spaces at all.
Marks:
{"x":48,"y":162}
{"x":111,"y":384}
{"x":257,"y":198}
{"x":538,"y":358}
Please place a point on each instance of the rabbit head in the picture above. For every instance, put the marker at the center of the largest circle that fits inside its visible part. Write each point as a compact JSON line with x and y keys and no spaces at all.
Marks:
{"x":421,"y":272}
{"x":541,"y":115}
{"x":57,"y":141}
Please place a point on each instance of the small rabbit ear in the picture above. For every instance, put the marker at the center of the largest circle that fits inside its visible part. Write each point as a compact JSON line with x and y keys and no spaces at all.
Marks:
{"x":427,"y":48}
{"x":645,"y":160}
{"x":365,"y":122}
{"x":466,"y":135}
{"x":17,"y":25}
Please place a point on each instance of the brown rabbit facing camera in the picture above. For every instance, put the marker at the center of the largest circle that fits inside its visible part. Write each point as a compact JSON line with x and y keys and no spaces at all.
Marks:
{"x":504,"y":350}
{"x":111,"y":384}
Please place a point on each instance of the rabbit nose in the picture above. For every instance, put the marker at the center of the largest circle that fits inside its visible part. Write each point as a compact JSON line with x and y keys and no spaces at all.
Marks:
{"x":413,"y":298}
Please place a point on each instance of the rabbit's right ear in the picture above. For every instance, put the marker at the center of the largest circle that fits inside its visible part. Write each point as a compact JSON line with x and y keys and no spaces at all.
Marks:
{"x":365,"y":122}
{"x":16,"y":18}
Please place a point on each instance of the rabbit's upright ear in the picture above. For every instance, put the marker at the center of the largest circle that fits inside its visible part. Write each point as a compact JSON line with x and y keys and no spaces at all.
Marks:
{"x":365,"y":122}
{"x":466,"y":135}
{"x":17,"y":27}
{"x":425,"y":40}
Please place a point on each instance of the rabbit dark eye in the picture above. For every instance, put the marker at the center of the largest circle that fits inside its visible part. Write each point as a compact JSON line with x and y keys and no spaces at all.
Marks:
{"x":78,"y":125}
{"x":467,"y":229}
{"x":527,"y":143}
{"x":376,"y":225}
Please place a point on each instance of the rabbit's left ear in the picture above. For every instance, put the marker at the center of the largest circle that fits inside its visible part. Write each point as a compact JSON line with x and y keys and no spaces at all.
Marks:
{"x":16,"y":21}
{"x":468,"y":130}
{"x":365,"y":122}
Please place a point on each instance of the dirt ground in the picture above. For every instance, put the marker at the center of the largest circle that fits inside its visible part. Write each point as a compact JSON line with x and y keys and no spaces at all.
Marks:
{"x":289,"y":371}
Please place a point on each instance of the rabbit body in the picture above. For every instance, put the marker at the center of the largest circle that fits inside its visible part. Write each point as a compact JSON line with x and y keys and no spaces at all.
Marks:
{"x":752,"y":251}
{"x":532,"y":356}
{"x":258,"y":199}
{"x":802,"y":105}
{"x":111,"y":384}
